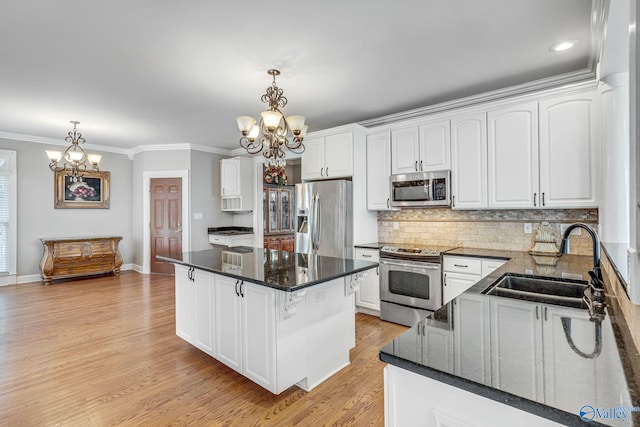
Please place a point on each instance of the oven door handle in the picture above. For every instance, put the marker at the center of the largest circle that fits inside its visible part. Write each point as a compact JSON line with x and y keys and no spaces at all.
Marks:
{"x":428,"y":266}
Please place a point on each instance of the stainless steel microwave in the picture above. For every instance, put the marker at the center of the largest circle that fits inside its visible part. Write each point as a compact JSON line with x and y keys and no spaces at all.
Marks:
{"x":421,"y":190}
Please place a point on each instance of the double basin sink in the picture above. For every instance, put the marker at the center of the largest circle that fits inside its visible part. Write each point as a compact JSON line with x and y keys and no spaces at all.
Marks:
{"x":550,"y":291}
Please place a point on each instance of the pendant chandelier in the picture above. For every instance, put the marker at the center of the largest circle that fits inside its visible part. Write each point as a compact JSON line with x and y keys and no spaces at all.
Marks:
{"x":74,"y":159}
{"x":274,"y":132}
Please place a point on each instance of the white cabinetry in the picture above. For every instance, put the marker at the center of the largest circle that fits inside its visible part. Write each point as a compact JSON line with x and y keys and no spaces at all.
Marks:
{"x":378,"y":171}
{"x":368,"y":294}
{"x":469,"y":162}
{"x":195,"y":308}
{"x":460,"y":273}
{"x":516,"y":347}
{"x":569,"y":151}
{"x":235,"y":240}
{"x":236,"y":184}
{"x":245,"y":329}
{"x":411,"y":399}
{"x":513,"y":156}
{"x":471,"y":327}
{"x":405,"y":150}
{"x":328,"y":157}
{"x":421,"y":148}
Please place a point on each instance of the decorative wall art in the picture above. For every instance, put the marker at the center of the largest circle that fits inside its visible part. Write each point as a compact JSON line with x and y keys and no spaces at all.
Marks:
{"x":89,"y":191}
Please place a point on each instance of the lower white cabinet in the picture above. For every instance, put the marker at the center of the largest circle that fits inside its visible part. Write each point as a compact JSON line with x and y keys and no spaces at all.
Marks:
{"x":471,"y":327}
{"x":412,"y":399}
{"x":368,"y":294}
{"x":460,"y":273}
{"x":516,"y":347}
{"x":236,"y":240}
{"x":245,"y":329}
{"x":194,"y":308}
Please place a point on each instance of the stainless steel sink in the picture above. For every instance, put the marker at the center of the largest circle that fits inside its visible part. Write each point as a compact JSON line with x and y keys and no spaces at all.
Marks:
{"x":550,"y":291}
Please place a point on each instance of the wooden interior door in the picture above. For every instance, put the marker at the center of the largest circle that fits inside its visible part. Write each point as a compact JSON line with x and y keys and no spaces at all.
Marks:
{"x":166,"y":222}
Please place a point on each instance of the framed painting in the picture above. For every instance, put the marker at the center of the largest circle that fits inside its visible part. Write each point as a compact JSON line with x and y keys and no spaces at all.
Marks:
{"x":89,"y":191}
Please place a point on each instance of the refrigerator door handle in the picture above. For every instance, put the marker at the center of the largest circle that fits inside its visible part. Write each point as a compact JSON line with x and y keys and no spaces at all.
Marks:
{"x":318,"y":224}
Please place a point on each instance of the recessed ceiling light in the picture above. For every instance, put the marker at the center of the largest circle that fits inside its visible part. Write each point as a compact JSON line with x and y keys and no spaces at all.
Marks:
{"x":567,"y":44}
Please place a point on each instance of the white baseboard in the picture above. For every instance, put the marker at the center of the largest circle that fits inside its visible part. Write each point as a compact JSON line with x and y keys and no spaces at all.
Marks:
{"x":7,"y":280}
{"x":29,"y":278}
{"x":137,"y":268}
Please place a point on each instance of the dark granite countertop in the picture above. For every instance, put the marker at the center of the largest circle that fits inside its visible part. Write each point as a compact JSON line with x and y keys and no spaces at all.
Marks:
{"x":518,"y":352}
{"x":230,"y":231}
{"x":282,"y":270}
{"x":374,"y":245}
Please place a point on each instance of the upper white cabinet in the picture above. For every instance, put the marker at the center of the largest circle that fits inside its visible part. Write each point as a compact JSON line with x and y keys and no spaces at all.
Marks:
{"x":469,"y":161}
{"x":513,"y":156}
{"x":378,"y":171}
{"x":328,"y":157}
{"x":236,"y":184}
{"x":569,"y":151}
{"x":421,"y":148}
{"x":405,"y":150}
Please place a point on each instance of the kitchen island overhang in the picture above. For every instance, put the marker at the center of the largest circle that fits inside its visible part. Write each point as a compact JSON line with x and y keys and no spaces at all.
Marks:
{"x":269,"y":314}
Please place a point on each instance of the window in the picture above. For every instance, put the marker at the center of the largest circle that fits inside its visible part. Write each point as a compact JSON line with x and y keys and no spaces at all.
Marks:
{"x":8,"y":211}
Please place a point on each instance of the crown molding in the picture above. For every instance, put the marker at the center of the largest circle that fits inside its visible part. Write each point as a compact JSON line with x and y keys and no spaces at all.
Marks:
{"x":561,"y":80}
{"x":59,"y":142}
{"x":128,"y":152}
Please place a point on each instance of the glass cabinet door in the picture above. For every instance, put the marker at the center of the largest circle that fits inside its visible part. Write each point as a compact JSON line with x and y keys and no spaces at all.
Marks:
{"x":285,"y":210}
{"x":272,"y":200}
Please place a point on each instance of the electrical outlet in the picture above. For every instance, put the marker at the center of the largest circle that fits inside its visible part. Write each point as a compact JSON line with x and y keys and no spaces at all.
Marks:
{"x":528,"y":228}
{"x":395,"y":225}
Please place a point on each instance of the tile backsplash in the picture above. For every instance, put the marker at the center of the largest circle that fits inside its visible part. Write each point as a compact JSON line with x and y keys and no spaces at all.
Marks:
{"x":487,"y":229}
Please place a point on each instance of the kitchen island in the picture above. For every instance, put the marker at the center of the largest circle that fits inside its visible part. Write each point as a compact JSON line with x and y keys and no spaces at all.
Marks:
{"x":278,"y":318}
{"x":490,"y":360}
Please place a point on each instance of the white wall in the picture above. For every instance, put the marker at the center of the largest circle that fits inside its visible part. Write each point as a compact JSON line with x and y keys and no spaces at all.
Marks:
{"x":205,"y":198}
{"x":37,"y":217}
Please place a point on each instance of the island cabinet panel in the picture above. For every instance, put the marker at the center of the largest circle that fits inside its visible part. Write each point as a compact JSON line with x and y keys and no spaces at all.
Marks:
{"x":228,"y":328}
{"x":275,"y":338}
{"x":195,"y":308}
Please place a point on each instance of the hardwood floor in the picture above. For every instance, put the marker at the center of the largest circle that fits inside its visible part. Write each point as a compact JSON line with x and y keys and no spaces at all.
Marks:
{"x":103,"y":351}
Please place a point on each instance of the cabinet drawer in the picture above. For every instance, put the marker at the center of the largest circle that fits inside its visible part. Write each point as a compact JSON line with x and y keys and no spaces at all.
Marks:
{"x":489,"y":265}
{"x":372,"y":255}
{"x":102,"y":248}
{"x":217,"y":239}
{"x":84,"y":268}
{"x":466,"y":265}
{"x":70,"y":249}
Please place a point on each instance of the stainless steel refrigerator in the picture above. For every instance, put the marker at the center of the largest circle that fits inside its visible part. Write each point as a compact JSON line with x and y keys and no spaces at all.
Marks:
{"x":324,"y":218}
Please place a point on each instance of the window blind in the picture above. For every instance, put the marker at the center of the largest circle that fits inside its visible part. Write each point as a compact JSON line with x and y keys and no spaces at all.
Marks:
{"x":7,"y":211}
{"x":4,"y":222}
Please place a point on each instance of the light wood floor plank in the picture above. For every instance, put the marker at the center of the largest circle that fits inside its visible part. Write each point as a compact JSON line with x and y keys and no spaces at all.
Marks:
{"x":103,"y":351}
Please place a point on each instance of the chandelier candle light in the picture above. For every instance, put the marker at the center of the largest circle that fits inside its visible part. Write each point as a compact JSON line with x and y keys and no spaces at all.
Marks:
{"x":74,"y":158}
{"x":274,"y":130}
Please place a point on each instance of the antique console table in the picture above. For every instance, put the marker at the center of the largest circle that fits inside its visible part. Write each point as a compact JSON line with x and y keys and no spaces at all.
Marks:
{"x":79,"y":256}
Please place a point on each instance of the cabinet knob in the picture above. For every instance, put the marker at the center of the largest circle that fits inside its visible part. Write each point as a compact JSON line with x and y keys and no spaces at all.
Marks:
{"x":326,"y":172}
{"x":535,"y":196}
{"x":388,"y":204}
{"x":416,"y":166}
{"x":543,"y":203}
{"x":420,"y":165}
{"x":321,"y":171}
{"x":453,"y":201}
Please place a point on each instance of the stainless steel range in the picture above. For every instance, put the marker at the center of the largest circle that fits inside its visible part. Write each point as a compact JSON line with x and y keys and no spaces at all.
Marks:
{"x":410,"y":283}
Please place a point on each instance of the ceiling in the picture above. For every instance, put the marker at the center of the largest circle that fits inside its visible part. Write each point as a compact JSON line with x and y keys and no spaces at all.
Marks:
{"x":150,"y":72}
